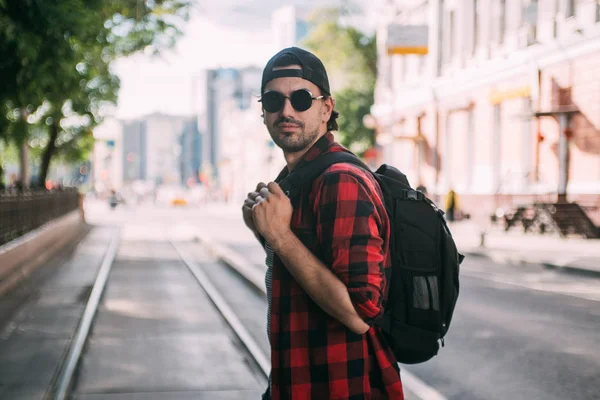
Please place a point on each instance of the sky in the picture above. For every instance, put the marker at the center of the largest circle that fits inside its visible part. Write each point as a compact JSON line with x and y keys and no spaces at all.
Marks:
{"x":227,"y":33}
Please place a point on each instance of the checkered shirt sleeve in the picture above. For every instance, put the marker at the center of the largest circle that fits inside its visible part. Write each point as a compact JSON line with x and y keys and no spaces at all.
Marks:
{"x":350,"y":230}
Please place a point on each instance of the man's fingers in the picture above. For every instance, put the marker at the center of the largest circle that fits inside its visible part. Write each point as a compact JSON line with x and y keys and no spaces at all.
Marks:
{"x":264,"y":192}
{"x":252,"y":195}
{"x":275,"y":188}
{"x":259,"y":191}
{"x":247,"y":211}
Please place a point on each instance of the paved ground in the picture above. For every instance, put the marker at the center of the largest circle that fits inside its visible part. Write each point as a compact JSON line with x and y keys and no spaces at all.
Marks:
{"x":514,"y":247}
{"x":156,"y":334}
{"x":152,"y":223}
{"x":35,"y":334}
{"x":520,"y":331}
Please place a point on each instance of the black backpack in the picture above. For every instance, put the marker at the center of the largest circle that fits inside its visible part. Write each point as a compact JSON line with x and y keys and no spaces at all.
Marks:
{"x":425,"y":262}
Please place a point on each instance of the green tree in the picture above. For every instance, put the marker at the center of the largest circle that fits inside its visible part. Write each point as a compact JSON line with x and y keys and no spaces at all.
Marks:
{"x":351,"y":60}
{"x":56,"y":58}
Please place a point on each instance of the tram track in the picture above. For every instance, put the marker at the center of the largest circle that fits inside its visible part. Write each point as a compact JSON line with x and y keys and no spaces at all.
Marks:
{"x":69,"y":367}
{"x":65,"y":378}
{"x":415,"y":388}
{"x":222,"y":305}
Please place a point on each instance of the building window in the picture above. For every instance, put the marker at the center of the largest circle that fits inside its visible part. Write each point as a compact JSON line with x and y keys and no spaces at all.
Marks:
{"x":496,"y":143}
{"x":529,"y":12}
{"x":501,"y":21}
{"x":422,"y":64}
{"x":440,"y":56}
{"x":451,"y":35}
{"x":498,"y":23}
{"x":527,"y":137}
{"x":389,"y":64}
{"x":470,"y":146}
{"x":403,"y":68}
{"x":476,"y":19}
{"x":529,"y":20}
{"x":447,"y":156}
{"x":570,"y":8}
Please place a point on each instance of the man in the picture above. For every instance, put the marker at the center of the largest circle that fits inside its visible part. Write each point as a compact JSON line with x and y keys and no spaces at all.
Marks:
{"x":326,"y":255}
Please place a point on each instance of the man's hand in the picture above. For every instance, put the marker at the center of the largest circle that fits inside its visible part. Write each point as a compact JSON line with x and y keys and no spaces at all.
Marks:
{"x":250,"y":201}
{"x":272,"y":215}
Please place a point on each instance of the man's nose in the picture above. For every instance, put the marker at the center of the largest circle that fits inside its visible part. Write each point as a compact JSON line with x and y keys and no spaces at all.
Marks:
{"x":287,"y":110}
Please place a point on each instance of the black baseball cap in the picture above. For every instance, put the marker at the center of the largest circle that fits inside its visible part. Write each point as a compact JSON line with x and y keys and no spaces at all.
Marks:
{"x":312,"y":70}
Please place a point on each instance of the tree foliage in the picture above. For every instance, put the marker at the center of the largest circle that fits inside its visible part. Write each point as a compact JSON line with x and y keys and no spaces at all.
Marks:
{"x":350,"y":57}
{"x":55,"y":59}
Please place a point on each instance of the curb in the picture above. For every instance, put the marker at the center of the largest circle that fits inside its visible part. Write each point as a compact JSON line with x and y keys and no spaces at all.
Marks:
{"x":573,"y":269}
{"x":563,"y":268}
{"x":19,"y":258}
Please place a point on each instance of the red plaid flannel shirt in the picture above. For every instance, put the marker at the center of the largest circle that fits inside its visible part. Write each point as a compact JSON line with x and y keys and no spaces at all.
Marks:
{"x":313,"y":356}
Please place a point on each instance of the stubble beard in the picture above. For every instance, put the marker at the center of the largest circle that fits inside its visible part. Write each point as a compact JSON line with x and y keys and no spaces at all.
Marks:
{"x":293,"y":143}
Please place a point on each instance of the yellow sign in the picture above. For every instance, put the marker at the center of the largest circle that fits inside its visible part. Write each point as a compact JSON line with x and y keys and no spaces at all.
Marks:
{"x":407,"y":39}
{"x":407,"y":50}
{"x":498,"y":96}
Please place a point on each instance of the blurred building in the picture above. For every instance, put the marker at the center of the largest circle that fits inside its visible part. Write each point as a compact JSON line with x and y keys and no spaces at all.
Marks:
{"x":289,"y":25}
{"x":498,"y":99}
{"x":152,"y":148}
{"x":225,"y":87}
{"x":190,"y":160}
{"x":237,"y":149}
{"x":107,"y":156}
{"x":251,"y":155}
{"x":134,"y":150}
{"x":156,"y":149}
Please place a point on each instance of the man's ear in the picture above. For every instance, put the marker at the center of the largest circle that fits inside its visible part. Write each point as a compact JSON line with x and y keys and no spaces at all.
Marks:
{"x":328,"y":109}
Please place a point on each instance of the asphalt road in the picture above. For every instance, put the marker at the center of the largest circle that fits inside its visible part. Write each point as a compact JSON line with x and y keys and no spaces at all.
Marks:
{"x":518,"y":332}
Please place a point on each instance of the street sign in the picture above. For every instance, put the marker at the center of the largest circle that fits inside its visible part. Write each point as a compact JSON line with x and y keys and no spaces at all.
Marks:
{"x":407,"y":39}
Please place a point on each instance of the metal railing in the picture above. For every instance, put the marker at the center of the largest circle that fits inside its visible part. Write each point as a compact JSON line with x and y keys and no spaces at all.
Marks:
{"x":22,"y":212}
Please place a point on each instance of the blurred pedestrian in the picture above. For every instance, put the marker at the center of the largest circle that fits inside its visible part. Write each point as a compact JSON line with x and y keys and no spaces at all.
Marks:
{"x":113,"y":200}
{"x":325,"y":255}
{"x":421,"y":188}
{"x":451,"y":205}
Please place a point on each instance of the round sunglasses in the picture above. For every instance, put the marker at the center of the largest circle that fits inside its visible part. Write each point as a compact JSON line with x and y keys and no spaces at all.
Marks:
{"x":301,"y":100}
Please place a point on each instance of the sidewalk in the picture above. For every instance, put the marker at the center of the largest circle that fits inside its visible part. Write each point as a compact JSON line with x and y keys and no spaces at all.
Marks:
{"x":35,"y":339}
{"x":514,"y":247}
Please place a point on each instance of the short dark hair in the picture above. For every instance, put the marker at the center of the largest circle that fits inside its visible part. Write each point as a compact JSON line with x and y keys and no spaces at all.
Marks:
{"x":332,"y":124}
{"x":288,"y":59}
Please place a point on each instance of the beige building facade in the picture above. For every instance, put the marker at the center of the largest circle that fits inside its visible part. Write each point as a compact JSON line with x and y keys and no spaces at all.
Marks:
{"x":505,"y":106}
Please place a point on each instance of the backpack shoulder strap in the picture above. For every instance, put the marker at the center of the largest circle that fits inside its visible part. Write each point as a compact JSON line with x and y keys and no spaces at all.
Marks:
{"x":299,"y":178}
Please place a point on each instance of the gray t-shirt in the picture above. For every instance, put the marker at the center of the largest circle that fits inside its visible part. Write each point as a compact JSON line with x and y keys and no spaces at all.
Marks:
{"x":269,"y":285}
